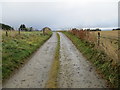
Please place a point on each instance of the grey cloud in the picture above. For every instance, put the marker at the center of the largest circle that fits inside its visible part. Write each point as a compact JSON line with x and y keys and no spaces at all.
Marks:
{"x":60,"y":14}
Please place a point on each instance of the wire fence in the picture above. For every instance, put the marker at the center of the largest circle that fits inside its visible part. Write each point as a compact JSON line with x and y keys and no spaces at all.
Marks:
{"x":106,"y":43}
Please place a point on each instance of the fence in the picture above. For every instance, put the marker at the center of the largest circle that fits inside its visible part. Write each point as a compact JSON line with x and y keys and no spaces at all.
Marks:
{"x":107,"y":44}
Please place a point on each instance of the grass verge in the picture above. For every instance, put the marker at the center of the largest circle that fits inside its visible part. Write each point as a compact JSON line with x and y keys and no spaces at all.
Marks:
{"x":104,"y":64}
{"x":16,"y":50}
{"x":52,"y":81}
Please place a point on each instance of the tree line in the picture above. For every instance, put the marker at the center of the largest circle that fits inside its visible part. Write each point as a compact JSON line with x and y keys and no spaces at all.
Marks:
{"x":116,"y":29}
{"x":5,"y":27}
{"x":8,"y":27}
{"x":22,"y":27}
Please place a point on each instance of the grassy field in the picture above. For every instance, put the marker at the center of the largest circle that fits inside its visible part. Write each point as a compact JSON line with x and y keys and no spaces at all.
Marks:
{"x":108,"y":43}
{"x":108,"y":34}
{"x":100,"y":59}
{"x":16,"y":48}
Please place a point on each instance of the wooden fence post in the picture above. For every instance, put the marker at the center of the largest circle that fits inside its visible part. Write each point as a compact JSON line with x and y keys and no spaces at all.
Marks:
{"x":98,"y":38}
{"x":6,"y":33}
{"x":19,"y":31}
{"x":43,"y":31}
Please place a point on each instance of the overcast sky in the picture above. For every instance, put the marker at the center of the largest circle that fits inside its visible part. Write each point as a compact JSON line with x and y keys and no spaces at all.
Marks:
{"x":60,"y":14}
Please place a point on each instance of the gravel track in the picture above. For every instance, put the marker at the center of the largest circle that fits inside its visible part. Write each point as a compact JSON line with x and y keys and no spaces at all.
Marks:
{"x":34,"y":73}
{"x":75,"y":70}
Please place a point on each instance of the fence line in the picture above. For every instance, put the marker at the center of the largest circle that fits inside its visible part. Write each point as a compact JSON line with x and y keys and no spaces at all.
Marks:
{"x":107,"y":44}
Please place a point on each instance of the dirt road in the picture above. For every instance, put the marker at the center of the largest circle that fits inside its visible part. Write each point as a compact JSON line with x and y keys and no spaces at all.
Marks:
{"x":34,"y":74}
{"x":75,"y":70}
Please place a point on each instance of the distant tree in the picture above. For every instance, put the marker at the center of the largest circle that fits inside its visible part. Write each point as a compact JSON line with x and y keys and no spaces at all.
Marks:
{"x":74,"y":29}
{"x":6,"y":27}
{"x":88,"y":29}
{"x":116,"y":29}
{"x":31,"y":29}
{"x":23,"y":27}
{"x":97,"y":29}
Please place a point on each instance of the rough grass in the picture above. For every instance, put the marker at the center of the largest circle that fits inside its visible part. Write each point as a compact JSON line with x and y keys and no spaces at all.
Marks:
{"x":108,"y":43}
{"x":16,"y":49}
{"x":108,"y":34}
{"x":104,"y":64}
{"x":52,"y":81}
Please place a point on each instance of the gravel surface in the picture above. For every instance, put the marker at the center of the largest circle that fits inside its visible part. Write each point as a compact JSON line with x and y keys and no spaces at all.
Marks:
{"x":75,"y":70}
{"x":34,"y":73}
